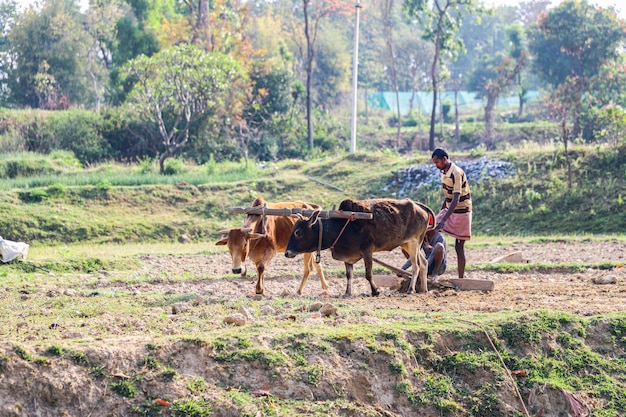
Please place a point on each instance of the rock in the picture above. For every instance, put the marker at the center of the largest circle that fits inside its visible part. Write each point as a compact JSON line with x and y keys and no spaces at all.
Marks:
{"x":178,"y":308}
{"x":184,"y":239}
{"x":328,"y":309}
{"x":237,"y":319}
{"x":513,"y":257}
{"x":315,"y":306}
{"x":605,"y":279}
{"x":268,"y":310}
{"x":69,"y":292}
{"x":246,"y":312}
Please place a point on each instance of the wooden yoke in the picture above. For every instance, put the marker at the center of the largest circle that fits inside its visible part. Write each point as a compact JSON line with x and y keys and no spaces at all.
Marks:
{"x":325,"y":214}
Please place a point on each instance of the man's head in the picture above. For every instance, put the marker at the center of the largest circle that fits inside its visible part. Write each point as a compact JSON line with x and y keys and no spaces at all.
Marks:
{"x":440,"y":158}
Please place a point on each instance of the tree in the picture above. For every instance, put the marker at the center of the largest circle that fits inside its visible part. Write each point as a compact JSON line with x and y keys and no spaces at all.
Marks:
{"x":100,"y":22}
{"x":8,"y":14}
{"x":441,"y":24}
{"x":313,"y":13}
{"x":386,"y":15}
{"x":133,"y":37}
{"x":55,"y":35}
{"x":496,"y":73}
{"x":180,"y":86}
{"x":571,"y":42}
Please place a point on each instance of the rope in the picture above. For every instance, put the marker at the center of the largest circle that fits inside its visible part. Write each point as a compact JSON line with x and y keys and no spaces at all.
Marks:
{"x":318,"y":256}
{"x":348,"y":220}
{"x":319,"y":242}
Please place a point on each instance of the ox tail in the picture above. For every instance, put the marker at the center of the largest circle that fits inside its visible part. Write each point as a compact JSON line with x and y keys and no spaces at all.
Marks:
{"x":432,"y":220}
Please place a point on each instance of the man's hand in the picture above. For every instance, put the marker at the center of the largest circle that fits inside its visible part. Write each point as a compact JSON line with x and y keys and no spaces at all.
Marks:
{"x":440,"y":225}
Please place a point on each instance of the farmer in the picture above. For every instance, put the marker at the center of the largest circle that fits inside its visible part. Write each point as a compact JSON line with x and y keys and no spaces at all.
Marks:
{"x":455,"y":217}
{"x":434,"y":246}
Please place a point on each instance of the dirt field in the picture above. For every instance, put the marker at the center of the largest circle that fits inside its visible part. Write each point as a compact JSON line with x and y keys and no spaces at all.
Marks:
{"x":113,"y":349}
{"x":571,"y":292}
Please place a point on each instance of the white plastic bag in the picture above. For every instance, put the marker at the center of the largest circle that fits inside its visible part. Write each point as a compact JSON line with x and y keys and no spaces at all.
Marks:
{"x":11,"y":250}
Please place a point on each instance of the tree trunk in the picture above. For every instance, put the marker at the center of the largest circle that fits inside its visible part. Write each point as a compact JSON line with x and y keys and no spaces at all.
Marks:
{"x":457,"y":131}
{"x":201,"y":31}
{"x":433,"y":74}
{"x":309,"y":73}
{"x":568,"y":161}
{"x":491,"y":104}
{"x":367,"y":115}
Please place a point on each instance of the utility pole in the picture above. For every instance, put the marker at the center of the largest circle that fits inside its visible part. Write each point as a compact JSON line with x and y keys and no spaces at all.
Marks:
{"x":355,"y":77}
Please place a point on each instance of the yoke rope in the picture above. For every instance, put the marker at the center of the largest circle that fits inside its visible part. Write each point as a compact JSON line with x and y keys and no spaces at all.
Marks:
{"x":319,"y":242}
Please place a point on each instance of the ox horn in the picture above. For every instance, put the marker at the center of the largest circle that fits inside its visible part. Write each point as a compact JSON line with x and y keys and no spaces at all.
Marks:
{"x":224,"y":232}
{"x":246,"y":229}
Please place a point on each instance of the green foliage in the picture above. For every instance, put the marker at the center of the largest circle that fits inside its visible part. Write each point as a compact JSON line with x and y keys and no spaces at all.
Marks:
{"x":180,"y":86}
{"x":125,"y":388}
{"x":191,"y":407}
{"x":196,"y":385}
{"x":169,"y":374}
{"x":55,"y":351}
{"x":397,"y":368}
{"x":22,"y":353}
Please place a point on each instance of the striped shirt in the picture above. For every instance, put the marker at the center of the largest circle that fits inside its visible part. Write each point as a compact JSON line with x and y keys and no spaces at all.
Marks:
{"x":455,"y":181}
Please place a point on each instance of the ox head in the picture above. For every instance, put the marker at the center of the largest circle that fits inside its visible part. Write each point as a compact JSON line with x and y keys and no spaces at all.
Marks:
{"x":304,"y":235}
{"x":238,"y":245}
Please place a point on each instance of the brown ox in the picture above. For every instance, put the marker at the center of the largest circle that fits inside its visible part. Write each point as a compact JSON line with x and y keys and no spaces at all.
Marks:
{"x":395,"y":223}
{"x":260,"y":245}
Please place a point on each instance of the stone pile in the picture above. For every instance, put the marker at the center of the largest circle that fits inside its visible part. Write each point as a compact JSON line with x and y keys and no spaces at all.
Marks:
{"x":405,"y":182}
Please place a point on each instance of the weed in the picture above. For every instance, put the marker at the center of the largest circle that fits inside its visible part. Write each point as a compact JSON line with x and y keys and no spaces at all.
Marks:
{"x":169,"y":374}
{"x":97,"y":372}
{"x":191,"y":407}
{"x":150,"y":362}
{"x":397,"y":368}
{"x":19,"y":351}
{"x":196,"y":385}
{"x":79,"y":358}
{"x":148,"y":408}
{"x":314,"y":374}
{"x":55,"y":350}
{"x":125,"y":388}
{"x":41,"y":361}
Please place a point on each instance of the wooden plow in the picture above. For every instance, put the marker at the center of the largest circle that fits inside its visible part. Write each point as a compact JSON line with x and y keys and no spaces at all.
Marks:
{"x":382,"y":280}
{"x":324,"y":214}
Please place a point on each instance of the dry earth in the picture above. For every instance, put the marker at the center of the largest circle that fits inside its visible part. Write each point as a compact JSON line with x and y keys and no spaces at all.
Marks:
{"x":61,"y":387}
{"x":571,"y":292}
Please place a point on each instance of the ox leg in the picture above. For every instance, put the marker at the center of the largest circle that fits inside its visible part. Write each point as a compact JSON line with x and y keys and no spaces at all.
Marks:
{"x":367,"y":260}
{"x":418,"y":268}
{"x":320,"y":274}
{"x":307,"y":258}
{"x":308,"y":262}
{"x":260,"y":269}
{"x":349,"y":272}
{"x":423,"y":271}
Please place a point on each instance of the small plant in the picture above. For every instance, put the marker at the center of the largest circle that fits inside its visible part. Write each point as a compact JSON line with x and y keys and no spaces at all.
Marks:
{"x":169,"y":374}
{"x":97,"y":372}
{"x":79,"y":358}
{"x":57,"y":190}
{"x":55,"y":351}
{"x":397,"y":368}
{"x":191,"y":407}
{"x":23,"y":354}
{"x":196,"y":385}
{"x":151,"y":362}
{"x":314,"y":374}
{"x":125,"y":388}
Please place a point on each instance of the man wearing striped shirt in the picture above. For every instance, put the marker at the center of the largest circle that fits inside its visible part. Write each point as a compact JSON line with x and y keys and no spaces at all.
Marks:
{"x":455,"y":217}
